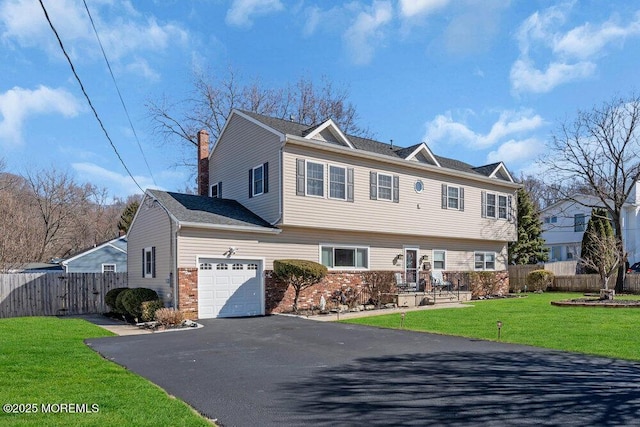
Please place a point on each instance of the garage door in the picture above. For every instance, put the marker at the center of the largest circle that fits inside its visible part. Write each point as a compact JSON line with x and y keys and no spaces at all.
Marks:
{"x":230,"y":288}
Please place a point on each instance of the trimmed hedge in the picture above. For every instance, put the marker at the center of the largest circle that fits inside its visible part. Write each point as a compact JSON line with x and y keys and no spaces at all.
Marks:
{"x":309,"y":270}
{"x":110,"y":298}
{"x":119,"y":305}
{"x":133,"y":298}
{"x":539,"y":280}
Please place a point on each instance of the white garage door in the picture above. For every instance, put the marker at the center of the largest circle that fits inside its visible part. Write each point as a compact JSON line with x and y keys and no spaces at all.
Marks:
{"x":230,"y":288}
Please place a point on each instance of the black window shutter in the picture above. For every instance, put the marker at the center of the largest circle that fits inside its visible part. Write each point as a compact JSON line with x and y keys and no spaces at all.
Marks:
{"x":396,"y":189}
{"x":143,"y":264}
{"x":444,"y":196}
{"x":461,"y":193}
{"x":510,"y":208}
{"x":265,"y":177}
{"x":300,"y":177}
{"x":220,"y":190}
{"x":250,"y":183}
{"x":349,"y":184}
{"x":373,"y":185}
{"x":153,"y":261}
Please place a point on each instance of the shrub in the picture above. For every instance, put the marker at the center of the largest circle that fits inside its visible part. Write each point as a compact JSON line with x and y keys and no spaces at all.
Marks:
{"x":298,"y":273}
{"x":539,"y":280}
{"x":133,"y":299}
{"x":349,"y":297}
{"x":110,"y":298}
{"x":120,"y":308}
{"x":149,"y":309}
{"x":379,"y":285}
{"x":485,"y":283}
{"x":168,"y":317}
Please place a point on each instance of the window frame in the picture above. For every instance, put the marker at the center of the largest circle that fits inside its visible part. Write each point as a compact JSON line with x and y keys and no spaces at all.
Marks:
{"x":503,"y":211}
{"x":433,"y":259}
{"x":330,"y":182}
{"x":109,"y":264}
{"x":579,"y":227}
{"x":386,"y":175}
{"x":306,"y":178}
{"x":149,"y":262}
{"x":492,"y":206}
{"x":456,"y":198}
{"x":255,"y":180}
{"x":484,"y":260}
{"x":354,"y":248}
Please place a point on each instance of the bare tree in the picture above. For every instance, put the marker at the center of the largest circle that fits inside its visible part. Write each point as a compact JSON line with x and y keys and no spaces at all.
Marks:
{"x":213,"y":98}
{"x":600,"y":149}
{"x":607,"y":259}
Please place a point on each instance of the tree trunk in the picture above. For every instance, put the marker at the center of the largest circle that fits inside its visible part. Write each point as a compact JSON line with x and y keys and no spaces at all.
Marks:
{"x":622,"y":270}
{"x":295,"y":299}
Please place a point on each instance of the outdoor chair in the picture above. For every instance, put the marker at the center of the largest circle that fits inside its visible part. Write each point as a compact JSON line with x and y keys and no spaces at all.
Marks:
{"x":438,"y":281}
{"x":400,"y":283}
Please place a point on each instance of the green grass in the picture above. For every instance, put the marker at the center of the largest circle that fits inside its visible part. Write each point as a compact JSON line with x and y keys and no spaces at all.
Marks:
{"x":43,"y":360}
{"x":532,"y":320}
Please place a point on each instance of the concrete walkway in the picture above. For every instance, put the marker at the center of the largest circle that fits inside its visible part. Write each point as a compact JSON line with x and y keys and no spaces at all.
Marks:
{"x":118,"y":327}
{"x":332,"y":317}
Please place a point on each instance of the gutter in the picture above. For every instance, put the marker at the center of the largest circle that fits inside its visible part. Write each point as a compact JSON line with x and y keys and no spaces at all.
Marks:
{"x":224,"y":227}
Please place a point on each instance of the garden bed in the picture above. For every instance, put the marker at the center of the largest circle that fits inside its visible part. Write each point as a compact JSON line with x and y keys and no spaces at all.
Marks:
{"x":597,"y":302}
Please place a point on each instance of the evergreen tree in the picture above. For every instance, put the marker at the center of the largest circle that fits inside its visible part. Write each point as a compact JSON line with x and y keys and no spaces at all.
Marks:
{"x":598,"y":228}
{"x":127,"y":216}
{"x":529,"y":249}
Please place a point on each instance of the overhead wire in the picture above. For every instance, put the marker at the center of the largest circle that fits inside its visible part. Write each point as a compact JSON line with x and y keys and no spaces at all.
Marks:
{"x":118,"y":90}
{"x":86,"y":95}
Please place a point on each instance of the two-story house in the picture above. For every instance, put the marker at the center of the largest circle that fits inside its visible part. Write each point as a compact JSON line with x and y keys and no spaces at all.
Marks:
{"x":564,"y":224}
{"x":276,"y":189}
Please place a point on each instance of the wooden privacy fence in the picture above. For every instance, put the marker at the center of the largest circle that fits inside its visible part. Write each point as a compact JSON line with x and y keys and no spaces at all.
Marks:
{"x":55,"y":294}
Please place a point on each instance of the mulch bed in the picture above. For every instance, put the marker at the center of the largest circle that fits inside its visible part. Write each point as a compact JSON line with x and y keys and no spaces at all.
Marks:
{"x":597,"y":302}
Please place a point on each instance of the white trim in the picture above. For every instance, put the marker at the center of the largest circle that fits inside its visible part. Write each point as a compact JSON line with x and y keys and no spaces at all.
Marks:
{"x":345,"y":246}
{"x":253,"y":180}
{"x":425,"y":148}
{"x":247,"y":229}
{"x":378,"y":175}
{"x":484,"y":260}
{"x":406,"y":248}
{"x":458,"y":187}
{"x":333,"y":128}
{"x":115,"y":267}
{"x":324,"y":178}
{"x":344,"y":168}
{"x":147,"y":274}
{"x":504,"y":169}
{"x":433,"y":259}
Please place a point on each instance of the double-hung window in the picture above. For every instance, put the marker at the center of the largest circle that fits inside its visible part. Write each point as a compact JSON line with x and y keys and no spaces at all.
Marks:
{"x":258,"y":180}
{"x":216,"y":190}
{"x":439,"y":259}
{"x":485,"y":260}
{"x":502,"y":207}
{"x":385,"y":187}
{"x":344,"y":257}
{"x":452,"y":197}
{"x":491,"y":205}
{"x":337,"y":182}
{"x":315,"y":179}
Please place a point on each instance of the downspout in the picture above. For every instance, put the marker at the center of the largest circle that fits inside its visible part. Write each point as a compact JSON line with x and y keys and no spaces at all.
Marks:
{"x":281,"y":184}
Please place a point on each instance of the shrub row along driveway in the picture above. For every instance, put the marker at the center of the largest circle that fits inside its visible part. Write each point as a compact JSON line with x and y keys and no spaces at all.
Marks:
{"x":281,"y":370}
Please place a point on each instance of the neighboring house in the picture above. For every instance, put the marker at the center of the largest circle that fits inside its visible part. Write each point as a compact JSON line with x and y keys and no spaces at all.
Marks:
{"x":38,"y":267}
{"x":564,"y":224}
{"x":275,"y":189}
{"x":108,"y":257}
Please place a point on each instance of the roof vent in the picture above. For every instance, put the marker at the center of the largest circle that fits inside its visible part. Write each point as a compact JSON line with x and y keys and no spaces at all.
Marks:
{"x":391,"y":140}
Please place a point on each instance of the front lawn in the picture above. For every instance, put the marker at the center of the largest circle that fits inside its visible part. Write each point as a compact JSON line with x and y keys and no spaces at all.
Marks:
{"x":46,"y":367}
{"x":531,"y":320}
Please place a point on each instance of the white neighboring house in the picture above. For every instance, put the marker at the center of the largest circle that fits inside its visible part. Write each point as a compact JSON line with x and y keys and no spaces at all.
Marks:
{"x":564,"y":224}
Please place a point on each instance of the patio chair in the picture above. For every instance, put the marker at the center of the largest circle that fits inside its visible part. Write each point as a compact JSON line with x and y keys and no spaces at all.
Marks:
{"x":438,"y":281}
{"x":400,"y":283}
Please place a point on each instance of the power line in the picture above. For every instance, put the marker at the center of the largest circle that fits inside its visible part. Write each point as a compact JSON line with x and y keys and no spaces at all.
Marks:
{"x":95,"y":113}
{"x":118,"y":90}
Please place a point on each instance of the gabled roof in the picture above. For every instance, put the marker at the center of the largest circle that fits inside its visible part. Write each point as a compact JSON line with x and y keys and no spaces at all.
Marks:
{"x":289,"y":127}
{"x":329,"y":125}
{"x":119,"y":243}
{"x":210,"y":212}
{"x":413,"y":152}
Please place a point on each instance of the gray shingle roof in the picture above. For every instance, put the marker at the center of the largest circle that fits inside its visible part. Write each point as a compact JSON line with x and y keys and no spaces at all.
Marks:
{"x":298,"y":129}
{"x":208,"y":210}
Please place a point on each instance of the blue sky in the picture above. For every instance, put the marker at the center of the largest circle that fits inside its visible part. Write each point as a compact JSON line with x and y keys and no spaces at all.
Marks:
{"x":477,"y":80}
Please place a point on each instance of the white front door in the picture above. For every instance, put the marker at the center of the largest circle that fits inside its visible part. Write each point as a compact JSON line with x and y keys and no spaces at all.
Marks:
{"x":411,"y":266}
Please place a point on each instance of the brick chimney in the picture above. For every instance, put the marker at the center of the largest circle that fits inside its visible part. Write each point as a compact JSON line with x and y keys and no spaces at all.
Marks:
{"x":203,"y":163}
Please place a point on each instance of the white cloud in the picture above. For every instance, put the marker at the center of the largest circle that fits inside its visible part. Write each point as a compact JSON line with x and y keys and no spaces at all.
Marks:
{"x":367,"y":31}
{"x":18,"y":104}
{"x":123,"y":31}
{"x":525,"y":77}
{"x":443,"y":128}
{"x":515,"y":152}
{"x":573,"y":52}
{"x":242,"y":11}
{"x":118,"y":184}
{"x":413,"y":8}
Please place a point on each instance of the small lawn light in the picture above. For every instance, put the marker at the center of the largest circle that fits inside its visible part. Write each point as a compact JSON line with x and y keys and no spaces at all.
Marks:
{"x":499,"y":324}
{"x":402,"y":320}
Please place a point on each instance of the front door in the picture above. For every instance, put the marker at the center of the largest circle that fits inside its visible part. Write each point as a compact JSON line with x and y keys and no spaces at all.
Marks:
{"x":411,"y":266}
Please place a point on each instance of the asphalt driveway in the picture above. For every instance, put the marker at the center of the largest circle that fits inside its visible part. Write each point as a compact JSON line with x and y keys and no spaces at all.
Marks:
{"x":287,"y":371}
